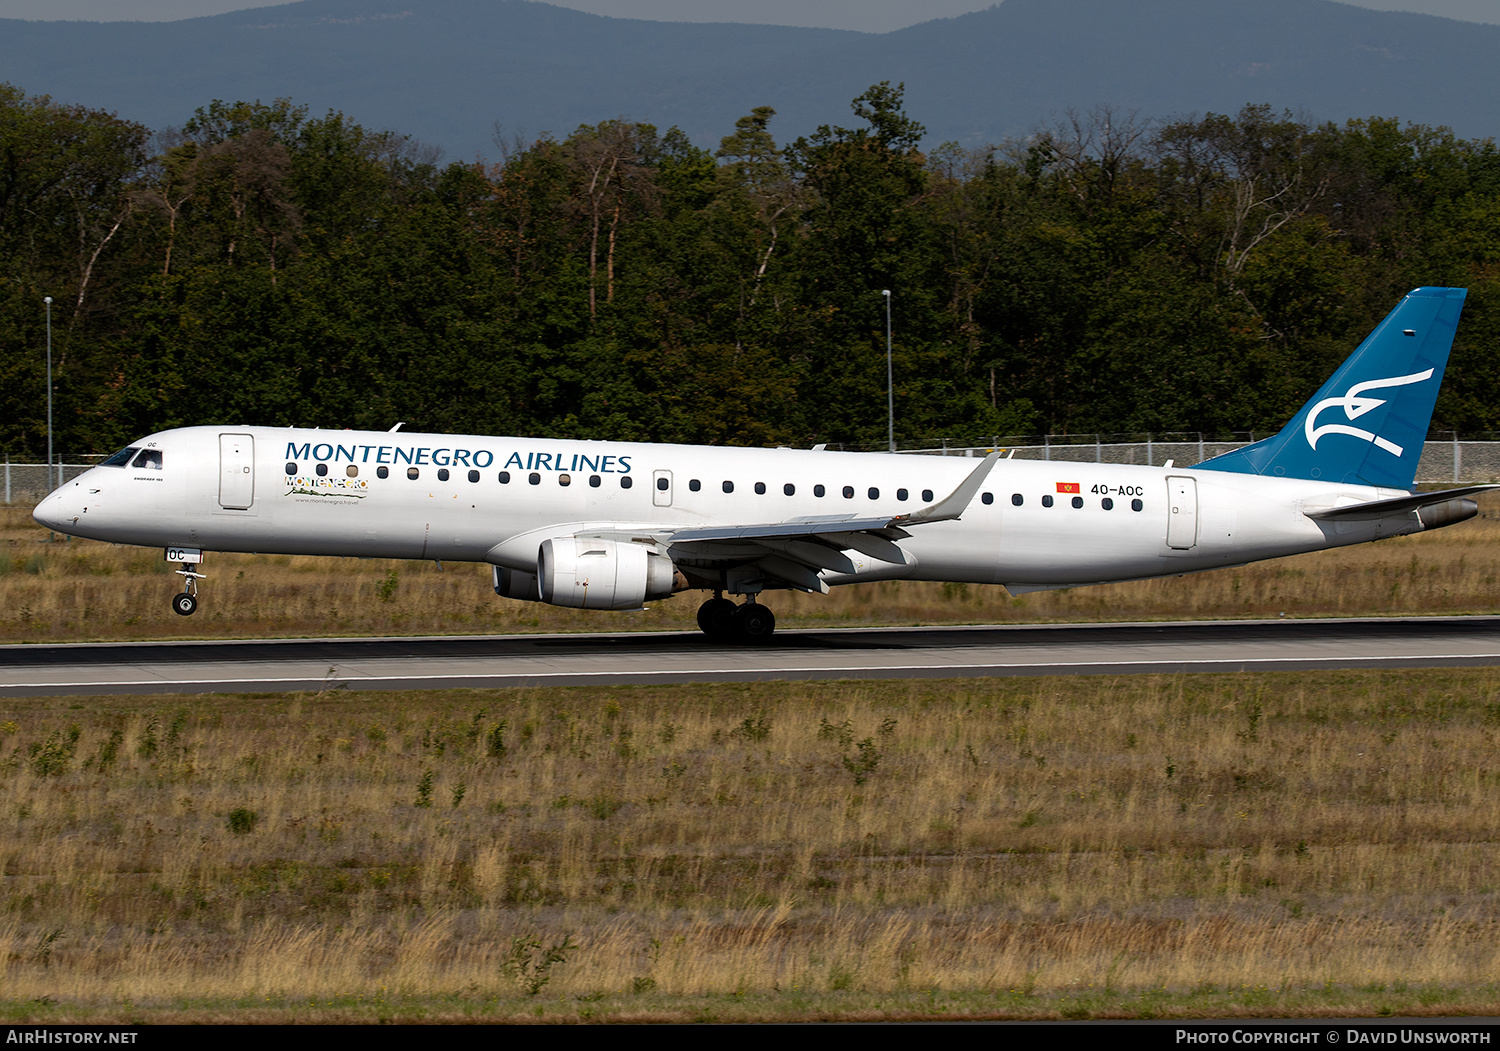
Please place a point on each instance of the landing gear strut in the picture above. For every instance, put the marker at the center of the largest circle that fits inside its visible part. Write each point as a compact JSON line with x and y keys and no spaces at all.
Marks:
{"x":185,"y":603}
{"x":721,"y":619}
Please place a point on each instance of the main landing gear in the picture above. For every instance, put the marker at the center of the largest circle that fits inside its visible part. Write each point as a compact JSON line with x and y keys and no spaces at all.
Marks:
{"x":185,"y":603}
{"x":721,"y":619}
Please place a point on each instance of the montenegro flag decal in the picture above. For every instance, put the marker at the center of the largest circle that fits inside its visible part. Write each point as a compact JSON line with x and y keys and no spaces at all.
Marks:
{"x":1068,"y":487}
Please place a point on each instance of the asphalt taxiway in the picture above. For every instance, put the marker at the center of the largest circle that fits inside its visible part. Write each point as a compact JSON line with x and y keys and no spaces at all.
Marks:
{"x":667,"y":657}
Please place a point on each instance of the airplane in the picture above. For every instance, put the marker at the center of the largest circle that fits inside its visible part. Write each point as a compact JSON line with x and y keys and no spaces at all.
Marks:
{"x":613,"y":525}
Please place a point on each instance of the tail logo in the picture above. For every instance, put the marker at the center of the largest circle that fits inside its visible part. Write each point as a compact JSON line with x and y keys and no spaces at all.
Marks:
{"x":1355,"y":405}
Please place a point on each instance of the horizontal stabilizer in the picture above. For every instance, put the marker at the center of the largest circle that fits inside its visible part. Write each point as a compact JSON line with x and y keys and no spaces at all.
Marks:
{"x":1373,"y":509}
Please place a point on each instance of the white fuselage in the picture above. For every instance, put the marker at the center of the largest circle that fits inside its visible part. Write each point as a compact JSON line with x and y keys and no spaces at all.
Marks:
{"x":259,"y":489}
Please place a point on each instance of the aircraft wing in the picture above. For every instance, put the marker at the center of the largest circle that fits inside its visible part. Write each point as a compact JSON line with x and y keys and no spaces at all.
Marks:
{"x":795,"y":551}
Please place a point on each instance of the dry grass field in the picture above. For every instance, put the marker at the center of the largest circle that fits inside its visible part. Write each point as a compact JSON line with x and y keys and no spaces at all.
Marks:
{"x":79,"y":590}
{"x":1313,"y":844}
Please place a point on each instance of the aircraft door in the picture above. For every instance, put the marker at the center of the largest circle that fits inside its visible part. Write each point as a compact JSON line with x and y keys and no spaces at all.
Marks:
{"x":661,"y":488}
{"x":236,"y":471}
{"x":1182,"y":513}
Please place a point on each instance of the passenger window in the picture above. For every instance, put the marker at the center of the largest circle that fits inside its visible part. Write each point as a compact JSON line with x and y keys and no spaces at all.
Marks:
{"x":760,"y":488}
{"x":594,"y":481}
{"x":1107,"y":504}
{"x":818,"y":490}
{"x":987,"y":498}
{"x":504,"y":477}
{"x":874,"y":493}
{"x":694,"y":485}
{"x":382,"y":472}
{"x":728,"y":487}
{"x":662,"y":483}
{"x":322,"y":470}
{"x":149,"y":458}
{"x":1017,"y":499}
{"x":902,"y":495}
{"x":789,"y":489}
{"x":927,"y":496}
{"x":413,"y":473}
{"x":1136,"y":505}
{"x":565,"y":480}
{"x":1047,"y":500}
{"x":442,"y":474}
{"x":1077,"y":501}
{"x":534,"y":479}
{"x":351,"y":471}
{"x":291,"y":468}
{"x":473,"y":476}
{"x":848,"y":492}
{"x":626,"y":482}
{"x":121,"y":458}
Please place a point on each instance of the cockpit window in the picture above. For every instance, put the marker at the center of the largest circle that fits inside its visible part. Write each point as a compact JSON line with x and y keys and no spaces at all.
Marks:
{"x":150,"y":458}
{"x":121,"y":458}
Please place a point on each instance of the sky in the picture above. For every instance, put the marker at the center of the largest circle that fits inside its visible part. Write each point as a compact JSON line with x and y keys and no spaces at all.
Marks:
{"x":870,"y":16}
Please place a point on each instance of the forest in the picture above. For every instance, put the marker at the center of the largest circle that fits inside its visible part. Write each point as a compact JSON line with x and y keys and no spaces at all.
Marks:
{"x":262,"y":265}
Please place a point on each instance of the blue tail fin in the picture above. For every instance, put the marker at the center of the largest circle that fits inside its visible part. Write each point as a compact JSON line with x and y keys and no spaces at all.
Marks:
{"x":1366,"y":425}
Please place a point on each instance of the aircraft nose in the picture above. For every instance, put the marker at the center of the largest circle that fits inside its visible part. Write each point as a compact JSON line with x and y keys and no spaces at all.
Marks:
{"x":55,"y":511}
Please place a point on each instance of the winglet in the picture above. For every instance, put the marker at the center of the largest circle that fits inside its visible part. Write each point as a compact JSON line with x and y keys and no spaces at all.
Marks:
{"x":956,"y":503}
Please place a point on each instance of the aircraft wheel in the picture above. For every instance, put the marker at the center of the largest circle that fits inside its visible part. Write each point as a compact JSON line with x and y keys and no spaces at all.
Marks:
{"x":184,"y":604}
{"x":754,"y":622}
{"x":716,"y":618}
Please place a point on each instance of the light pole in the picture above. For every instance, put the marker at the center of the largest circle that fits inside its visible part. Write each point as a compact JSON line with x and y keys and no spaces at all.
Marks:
{"x":890,"y":389}
{"x":48,"y":301}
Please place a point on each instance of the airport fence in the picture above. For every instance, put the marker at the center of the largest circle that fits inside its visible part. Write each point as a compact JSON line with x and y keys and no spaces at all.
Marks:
{"x":27,"y":483}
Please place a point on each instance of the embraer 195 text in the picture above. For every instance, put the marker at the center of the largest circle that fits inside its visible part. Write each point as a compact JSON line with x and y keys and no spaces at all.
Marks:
{"x":605,"y":525}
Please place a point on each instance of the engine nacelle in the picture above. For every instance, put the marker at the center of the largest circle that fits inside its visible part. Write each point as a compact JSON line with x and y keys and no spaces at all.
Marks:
{"x":603,"y":574}
{"x":512,"y":583}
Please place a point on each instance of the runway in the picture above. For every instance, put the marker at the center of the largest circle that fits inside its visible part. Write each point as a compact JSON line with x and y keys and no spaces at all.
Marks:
{"x":669,"y":657}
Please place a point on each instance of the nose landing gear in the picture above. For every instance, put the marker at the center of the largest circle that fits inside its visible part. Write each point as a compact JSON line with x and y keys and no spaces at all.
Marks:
{"x":185,"y":603}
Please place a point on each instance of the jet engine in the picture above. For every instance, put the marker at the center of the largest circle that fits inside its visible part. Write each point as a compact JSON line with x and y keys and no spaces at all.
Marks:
{"x":603,"y":574}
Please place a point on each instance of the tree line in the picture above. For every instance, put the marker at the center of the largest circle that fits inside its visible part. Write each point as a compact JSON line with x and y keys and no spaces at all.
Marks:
{"x":261,"y":265}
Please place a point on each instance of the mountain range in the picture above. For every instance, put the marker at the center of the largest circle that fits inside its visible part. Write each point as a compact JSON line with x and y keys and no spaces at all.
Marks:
{"x":448,"y":71}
